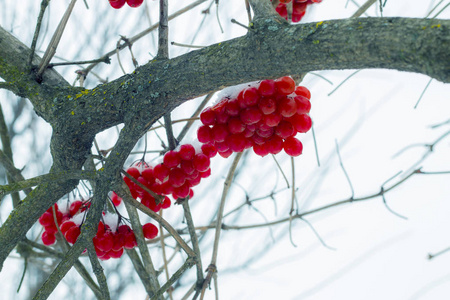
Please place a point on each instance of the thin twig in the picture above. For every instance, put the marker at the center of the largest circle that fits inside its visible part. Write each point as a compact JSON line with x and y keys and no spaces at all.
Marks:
{"x":431,"y":256}
{"x":212,"y":267}
{"x":281,"y":170}
{"x":193,"y":117}
{"x":51,"y":49}
{"x":423,"y":92}
{"x":163,"y":250}
{"x":363,"y":8}
{"x":163,"y":31}
{"x":186,"y":45}
{"x":291,"y":211}
{"x":343,"y":169}
{"x":351,"y":75}
{"x":44,"y":4}
{"x":194,"y":241}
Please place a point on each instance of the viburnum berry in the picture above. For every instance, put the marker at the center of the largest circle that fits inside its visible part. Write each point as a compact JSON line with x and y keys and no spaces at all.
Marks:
{"x":150,"y":231}
{"x":260,"y":150}
{"x":235,"y":125}
{"x":117,"y":3}
{"x":232,"y":107}
{"x":303,"y":91}
{"x":274,"y":145}
{"x":267,"y":88}
{"x":48,"y":238}
{"x":209,"y":150}
{"x":134,"y":3}
{"x":287,"y":107}
{"x":285,"y":85}
{"x":284,"y":129}
{"x":171,"y":159}
{"x":236,"y":142}
{"x":72,"y":234}
{"x":219,"y":132}
{"x":267,"y":105}
{"x":251,"y":96}
{"x":161,"y":172}
{"x":176,"y":177}
{"x":292,"y":146}
{"x":116,"y":200}
{"x":303,"y":105}
{"x":201,"y":162}
{"x":186,"y":152}
{"x":251,"y":115}
{"x":204,"y":134}
{"x":208,"y":117}
{"x":302,"y":123}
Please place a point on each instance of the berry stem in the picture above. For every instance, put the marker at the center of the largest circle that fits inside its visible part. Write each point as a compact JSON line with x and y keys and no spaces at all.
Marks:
{"x":98,"y":271}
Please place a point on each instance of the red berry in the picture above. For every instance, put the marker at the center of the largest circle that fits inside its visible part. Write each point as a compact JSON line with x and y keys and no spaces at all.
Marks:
{"x":260,"y":150}
{"x":235,"y":125}
{"x":75,"y":207}
{"x":171,"y":159}
{"x":284,"y":129}
{"x":267,"y":105}
{"x":205,"y":174}
{"x":301,"y":123}
{"x":303,"y":91}
{"x":287,"y":107}
{"x":219,"y":132}
{"x":222,"y":117}
{"x":201,"y":162}
{"x":182,"y":191}
{"x":134,"y":172}
{"x":282,"y":10}
{"x":186,"y":152}
{"x":209,"y":150}
{"x":251,"y":96}
{"x":274,"y":145}
{"x":266,"y":133}
{"x":134,"y":3}
{"x":115,"y":253}
{"x":232,"y":107}
{"x":273,"y":119}
{"x":267,"y":88}
{"x":66,"y":226}
{"x":46,"y":219}
{"x":187,"y":166}
{"x":221,"y":147}
{"x":117,"y":3}
{"x":292,"y":146}
{"x":204,"y":134}
{"x":285,"y":1}
{"x":226,"y":154}
{"x":251,"y":115}
{"x":116,"y":200}
{"x":208,"y":117}
{"x":176,"y":177}
{"x":148,"y":175}
{"x":161,"y":172}
{"x":303,"y":105}
{"x":237,"y":142}
{"x":150,"y":231}
{"x":297,"y":17}
{"x":119,"y":241}
{"x":285,"y":85}
{"x":48,"y":238}
{"x":72,"y":234}
{"x":130,"y":240}
{"x":166,"y":203}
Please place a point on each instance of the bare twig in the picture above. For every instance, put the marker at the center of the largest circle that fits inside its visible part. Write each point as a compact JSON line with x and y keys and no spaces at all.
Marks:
{"x":363,"y":8}
{"x":44,"y":4}
{"x":51,"y":49}
{"x":212,"y":266}
{"x":163,"y":30}
{"x":345,"y":172}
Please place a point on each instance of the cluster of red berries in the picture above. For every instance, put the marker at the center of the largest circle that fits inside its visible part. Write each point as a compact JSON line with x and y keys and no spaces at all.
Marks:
{"x":48,"y":221}
{"x":119,"y":3}
{"x":180,"y":170}
{"x":265,"y":116}
{"x":298,"y":8}
{"x":108,"y":243}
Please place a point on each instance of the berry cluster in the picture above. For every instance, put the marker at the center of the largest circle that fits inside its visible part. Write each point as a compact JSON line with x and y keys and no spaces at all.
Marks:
{"x":119,"y":3}
{"x":265,"y":116}
{"x":48,"y":221}
{"x":110,"y":239}
{"x":180,"y":170}
{"x":298,"y":8}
